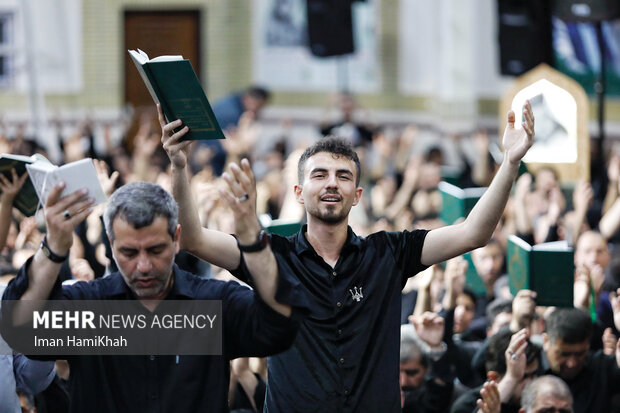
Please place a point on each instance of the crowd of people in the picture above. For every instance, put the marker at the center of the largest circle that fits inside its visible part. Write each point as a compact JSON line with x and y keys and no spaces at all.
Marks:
{"x":460,"y":350}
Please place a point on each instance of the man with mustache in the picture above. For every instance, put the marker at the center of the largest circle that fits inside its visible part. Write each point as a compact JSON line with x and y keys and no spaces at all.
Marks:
{"x":346,"y":355}
{"x":141,"y":221}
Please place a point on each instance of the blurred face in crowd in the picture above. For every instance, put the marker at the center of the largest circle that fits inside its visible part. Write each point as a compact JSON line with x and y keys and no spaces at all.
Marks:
{"x":488,"y":261}
{"x":411,"y":374}
{"x":592,"y":250}
{"x":546,"y":180}
{"x":329,"y":190}
{"x":252,"y":103}
{"x":145,"y":256}
{"x":463,"y":313}
{"x":565,"y":359}
{"x":547,"y":402}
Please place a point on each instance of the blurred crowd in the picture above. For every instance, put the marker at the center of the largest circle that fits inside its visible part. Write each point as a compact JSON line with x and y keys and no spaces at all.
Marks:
{"x":461,"y":350}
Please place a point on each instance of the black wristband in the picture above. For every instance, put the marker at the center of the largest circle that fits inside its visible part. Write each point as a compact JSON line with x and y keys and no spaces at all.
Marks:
{"x":51,"y":255}
{"x":261,"y":243}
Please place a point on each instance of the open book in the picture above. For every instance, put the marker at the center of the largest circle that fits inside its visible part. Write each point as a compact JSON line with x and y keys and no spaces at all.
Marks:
{"x":26,"y":200}
{"x":545,"y":268}
{"x":173,"y":84}
{"x":457,"y":202}
{"x":76,"y":175}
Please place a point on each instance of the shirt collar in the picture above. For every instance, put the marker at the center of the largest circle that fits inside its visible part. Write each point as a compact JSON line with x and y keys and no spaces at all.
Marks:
{"x":180,"y":288}
{"x":302,"y":245}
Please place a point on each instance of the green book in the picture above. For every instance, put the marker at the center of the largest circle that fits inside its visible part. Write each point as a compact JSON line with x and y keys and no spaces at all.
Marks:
{"x":282,"y":227}
{"x":457,"y":202}
{"x":26,"y":200}
{"x":173,"y":84}
{"x":472,"y":279}
{"x":545,"y":268}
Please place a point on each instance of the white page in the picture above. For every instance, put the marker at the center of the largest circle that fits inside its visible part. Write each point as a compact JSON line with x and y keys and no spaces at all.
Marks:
{"x":76,"y":175}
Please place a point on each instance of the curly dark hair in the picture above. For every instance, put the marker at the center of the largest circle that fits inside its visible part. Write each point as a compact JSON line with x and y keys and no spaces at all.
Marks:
{"x":330,"y":144}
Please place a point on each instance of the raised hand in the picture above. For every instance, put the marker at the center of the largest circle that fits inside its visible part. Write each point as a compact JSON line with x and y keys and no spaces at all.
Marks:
{"x":515,"y":355}
{"x":107,"y":182}
{"x":430,"y":328}
{"x":62,"y":215}
{"x":609,"y":342}
{"x":516,"y":142}
{"x":490,"y":400}
{"x":11,"y":188}
{"x":242,"y":200}
{"x":177,"y":151}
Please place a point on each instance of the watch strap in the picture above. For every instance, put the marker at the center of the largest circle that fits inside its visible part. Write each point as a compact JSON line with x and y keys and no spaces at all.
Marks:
{"x":51,"y":255}
{"x":261,"y":243}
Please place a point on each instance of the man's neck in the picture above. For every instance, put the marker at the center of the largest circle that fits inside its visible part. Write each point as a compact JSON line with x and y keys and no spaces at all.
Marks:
{"x":327,"y":239}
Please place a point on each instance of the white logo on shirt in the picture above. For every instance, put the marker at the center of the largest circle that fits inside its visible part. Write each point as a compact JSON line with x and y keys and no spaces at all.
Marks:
{"x":357,"y":295}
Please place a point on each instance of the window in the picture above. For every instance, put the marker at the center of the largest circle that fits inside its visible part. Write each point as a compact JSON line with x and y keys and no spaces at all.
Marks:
{"x":6,"y":48}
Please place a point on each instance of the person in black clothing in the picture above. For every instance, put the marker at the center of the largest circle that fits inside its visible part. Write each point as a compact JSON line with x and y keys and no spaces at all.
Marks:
{"x":592,"y":377}
{"x":512,"y":360}
{"x":141,"y":223}
{"x":345,"y":357}
{"x":426,"y":379}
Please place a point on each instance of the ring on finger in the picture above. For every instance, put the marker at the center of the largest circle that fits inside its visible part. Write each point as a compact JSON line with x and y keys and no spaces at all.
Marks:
{"x":66,"y":214}
{"x":243,"y":198}
{"x":514,"y":357}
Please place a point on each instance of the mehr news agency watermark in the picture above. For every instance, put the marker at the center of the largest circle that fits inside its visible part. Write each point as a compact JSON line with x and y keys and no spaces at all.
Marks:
{"x":114,"y":327}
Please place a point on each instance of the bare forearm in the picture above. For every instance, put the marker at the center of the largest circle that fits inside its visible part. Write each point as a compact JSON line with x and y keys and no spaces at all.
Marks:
{"x":42,"y":274}
{"x":610,"y":222}
{"x":191,"y":228}
{"x":5,"y":221}
{"x":485,"y":215}
{"x":264,"y":270}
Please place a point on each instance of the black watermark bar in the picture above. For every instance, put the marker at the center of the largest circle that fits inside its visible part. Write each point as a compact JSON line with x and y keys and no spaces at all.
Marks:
{"x":112,"y":327}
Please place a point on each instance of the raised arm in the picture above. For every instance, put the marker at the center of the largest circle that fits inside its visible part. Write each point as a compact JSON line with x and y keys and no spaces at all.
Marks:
{"x":262,"y":263}
{"x":447,"y":242}
{"x":214,"y":247}
{"x":62,"y":215}
{"x":9,"y":191}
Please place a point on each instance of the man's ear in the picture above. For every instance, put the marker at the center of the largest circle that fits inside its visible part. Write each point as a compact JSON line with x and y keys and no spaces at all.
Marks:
{"x":177,"y":238}
{"x":298,"y":196}
{"x":358,"y":195}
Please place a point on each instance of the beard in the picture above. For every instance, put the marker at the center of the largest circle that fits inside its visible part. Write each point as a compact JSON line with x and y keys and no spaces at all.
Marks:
{"x":329,"y":215}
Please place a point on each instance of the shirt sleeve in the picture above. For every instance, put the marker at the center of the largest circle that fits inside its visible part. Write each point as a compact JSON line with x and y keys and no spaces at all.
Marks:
{"x":32,"y":376}
{"x":251,"y":327}
{"x":407,"y":249}
{"x":289,"y":290}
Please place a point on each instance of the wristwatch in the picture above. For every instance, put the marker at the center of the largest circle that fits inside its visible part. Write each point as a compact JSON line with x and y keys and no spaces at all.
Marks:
{"x":261,"y":243}
{"x":51,"y":255}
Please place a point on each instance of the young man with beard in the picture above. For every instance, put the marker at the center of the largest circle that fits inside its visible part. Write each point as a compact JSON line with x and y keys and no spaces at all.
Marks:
{"x":346,"y":355}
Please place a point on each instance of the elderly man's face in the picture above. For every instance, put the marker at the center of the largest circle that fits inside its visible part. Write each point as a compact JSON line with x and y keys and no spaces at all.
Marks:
{"x":145,"y":256}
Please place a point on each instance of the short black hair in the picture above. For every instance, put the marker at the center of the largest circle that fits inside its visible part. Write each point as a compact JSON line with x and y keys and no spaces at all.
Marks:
{"x":496,"y":307}
{"x":571,"y":325}
{"x":334,"y":145}
{"x":496,"y":352}
{"x":258,"y":92}
{"x":139,"y":203}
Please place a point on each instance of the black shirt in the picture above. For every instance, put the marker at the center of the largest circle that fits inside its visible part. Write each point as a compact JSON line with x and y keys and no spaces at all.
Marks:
{"x":345,"y":357}
{"x":595,"y":384}
{"x":169,"y":383}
